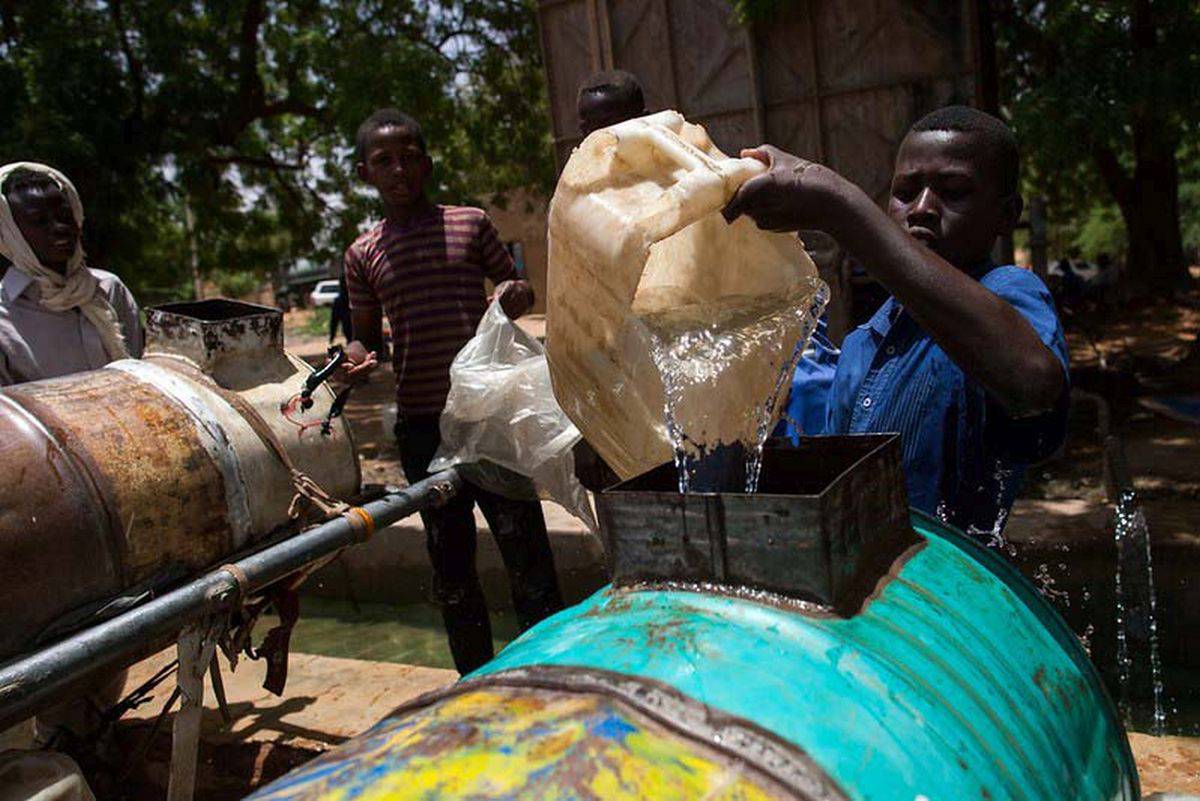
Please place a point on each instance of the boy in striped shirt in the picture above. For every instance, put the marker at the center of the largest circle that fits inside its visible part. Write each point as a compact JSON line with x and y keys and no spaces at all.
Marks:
{"x":424,"y":266}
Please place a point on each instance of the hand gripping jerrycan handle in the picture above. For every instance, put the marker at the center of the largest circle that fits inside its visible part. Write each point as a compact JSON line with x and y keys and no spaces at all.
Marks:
{"x":636,"y":235}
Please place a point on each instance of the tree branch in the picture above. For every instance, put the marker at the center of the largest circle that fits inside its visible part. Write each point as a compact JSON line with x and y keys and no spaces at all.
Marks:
{"x":288,"y":105}
{"x":265,"y":162}
{"x":250,"y":103}
{"x":116,"y":10}
{"x":250,"y":84}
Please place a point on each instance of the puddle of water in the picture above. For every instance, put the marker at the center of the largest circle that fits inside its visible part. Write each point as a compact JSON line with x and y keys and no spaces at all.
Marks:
{"x":411,"y":634}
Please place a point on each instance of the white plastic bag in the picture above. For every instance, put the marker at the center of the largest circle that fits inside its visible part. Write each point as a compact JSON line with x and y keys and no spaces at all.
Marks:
{"x":502,"y":426}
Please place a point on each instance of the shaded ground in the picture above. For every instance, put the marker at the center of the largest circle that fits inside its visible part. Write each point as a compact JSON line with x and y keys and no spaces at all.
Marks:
{"x":1063,"y":523}
{"x":326,"y":701}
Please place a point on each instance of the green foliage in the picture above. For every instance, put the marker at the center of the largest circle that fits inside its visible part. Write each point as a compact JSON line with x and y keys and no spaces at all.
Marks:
{"x":236,"y":283}
{"x":1189,"y":192}
{"x":247,"y":109}
{"x":1101,"y":231}
{"x":1102,"y":97}
{"x":1077,"y":76}
{"x":317,"y":324}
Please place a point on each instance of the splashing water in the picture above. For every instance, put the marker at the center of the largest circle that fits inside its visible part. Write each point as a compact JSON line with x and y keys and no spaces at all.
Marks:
{"x":765,"y":413}
{"x":1048,"y":586}
{"x":1137,"y":623}
{"x":1085,"y":639}
{"x":994,"y":537}
{"x":693,"y":359}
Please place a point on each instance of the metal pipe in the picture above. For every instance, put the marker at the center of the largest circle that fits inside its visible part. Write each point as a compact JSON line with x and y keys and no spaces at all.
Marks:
{"x":42,"y":677}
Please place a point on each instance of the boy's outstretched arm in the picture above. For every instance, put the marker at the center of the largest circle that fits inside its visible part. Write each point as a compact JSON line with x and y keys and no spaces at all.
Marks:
{"x":984,"y":335}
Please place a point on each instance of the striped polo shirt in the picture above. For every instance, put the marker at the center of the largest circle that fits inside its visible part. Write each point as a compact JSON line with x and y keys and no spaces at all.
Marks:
{"x":427,"y":275}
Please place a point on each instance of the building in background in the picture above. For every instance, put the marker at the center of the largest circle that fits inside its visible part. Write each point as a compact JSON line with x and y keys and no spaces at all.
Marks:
{"x":835,"y":81}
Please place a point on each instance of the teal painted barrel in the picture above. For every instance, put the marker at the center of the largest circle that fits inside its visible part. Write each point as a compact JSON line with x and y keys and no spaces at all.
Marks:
{"x":955,"y":680}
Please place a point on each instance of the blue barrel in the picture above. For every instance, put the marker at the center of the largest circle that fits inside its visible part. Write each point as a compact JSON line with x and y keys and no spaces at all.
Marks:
{"x":955,"y":680}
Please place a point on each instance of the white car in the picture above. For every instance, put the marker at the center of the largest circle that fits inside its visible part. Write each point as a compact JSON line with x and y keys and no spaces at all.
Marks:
{"x":324,"y":293}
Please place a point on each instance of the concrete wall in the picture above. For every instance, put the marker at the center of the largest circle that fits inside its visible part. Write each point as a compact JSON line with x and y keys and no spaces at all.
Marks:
{"x":521,"y":217}
{"x":393,"y":567}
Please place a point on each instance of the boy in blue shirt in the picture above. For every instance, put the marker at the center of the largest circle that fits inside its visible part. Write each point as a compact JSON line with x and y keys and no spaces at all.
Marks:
{"x":967,"y":360}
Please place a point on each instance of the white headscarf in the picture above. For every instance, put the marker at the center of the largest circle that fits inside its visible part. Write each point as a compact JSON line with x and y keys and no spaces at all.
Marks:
{"x":76,"y":287}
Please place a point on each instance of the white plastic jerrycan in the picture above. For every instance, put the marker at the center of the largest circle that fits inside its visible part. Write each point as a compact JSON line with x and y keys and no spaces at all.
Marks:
{"x":640,"y":257}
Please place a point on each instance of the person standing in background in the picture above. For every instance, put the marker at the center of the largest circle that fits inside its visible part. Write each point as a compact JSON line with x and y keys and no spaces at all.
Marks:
{"x":57,"y":316}
{"x":424,"y":267}
{"x":607,"y":98}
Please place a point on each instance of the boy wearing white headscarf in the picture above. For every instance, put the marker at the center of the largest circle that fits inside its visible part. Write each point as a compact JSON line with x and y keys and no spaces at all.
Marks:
{"x":57,"y":315}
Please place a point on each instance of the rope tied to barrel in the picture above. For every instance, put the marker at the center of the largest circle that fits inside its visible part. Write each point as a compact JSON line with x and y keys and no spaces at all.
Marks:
{"x":308,"y":490}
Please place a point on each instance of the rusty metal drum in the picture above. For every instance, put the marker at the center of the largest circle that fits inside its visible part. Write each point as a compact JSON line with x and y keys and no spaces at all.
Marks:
{"x":135,"y":475}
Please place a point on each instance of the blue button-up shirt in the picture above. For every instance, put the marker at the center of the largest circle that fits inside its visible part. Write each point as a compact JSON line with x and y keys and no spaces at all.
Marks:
{"x":964,"y":457}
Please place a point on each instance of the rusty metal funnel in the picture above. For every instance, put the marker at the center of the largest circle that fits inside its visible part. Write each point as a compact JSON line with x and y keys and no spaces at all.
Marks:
{"x":238,"y":344}
{"x":828,"y":521}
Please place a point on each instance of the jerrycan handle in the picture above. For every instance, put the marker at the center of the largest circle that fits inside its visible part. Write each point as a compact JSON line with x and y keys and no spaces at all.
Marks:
{"x":702,"y":183}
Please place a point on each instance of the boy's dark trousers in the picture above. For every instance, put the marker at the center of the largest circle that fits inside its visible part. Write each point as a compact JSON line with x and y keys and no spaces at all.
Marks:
{"x":520,"y":532}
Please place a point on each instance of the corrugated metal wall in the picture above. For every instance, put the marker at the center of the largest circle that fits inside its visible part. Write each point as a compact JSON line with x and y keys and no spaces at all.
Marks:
{"x":838,"y":81}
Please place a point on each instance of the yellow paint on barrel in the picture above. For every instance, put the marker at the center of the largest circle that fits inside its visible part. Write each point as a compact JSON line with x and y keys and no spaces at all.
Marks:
{"x":524,"y":743}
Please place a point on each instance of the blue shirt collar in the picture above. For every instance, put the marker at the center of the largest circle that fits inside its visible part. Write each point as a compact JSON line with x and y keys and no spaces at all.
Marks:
{"x":884,"y":318}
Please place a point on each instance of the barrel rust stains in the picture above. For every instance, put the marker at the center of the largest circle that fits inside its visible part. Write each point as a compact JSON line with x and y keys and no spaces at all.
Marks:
{"x":1039,"y":678}
{"x":161,"y":492}
{"x":48,"y":501}
{"x":205,"y":332}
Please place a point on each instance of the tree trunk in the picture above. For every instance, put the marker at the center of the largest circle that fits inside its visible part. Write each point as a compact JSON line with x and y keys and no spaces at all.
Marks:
{"x":1149,"y":199}
{"x":1149,"y":203}
{"x":1155,"y":259}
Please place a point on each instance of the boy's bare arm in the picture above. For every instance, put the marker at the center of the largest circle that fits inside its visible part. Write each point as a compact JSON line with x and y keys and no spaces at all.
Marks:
{"x":984,"y":335}
{"x":361,"y":353}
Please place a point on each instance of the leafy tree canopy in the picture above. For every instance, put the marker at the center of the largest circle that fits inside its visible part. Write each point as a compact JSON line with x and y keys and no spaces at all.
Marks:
{"x":245,"y":110}
{"x":1102,"y":96}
